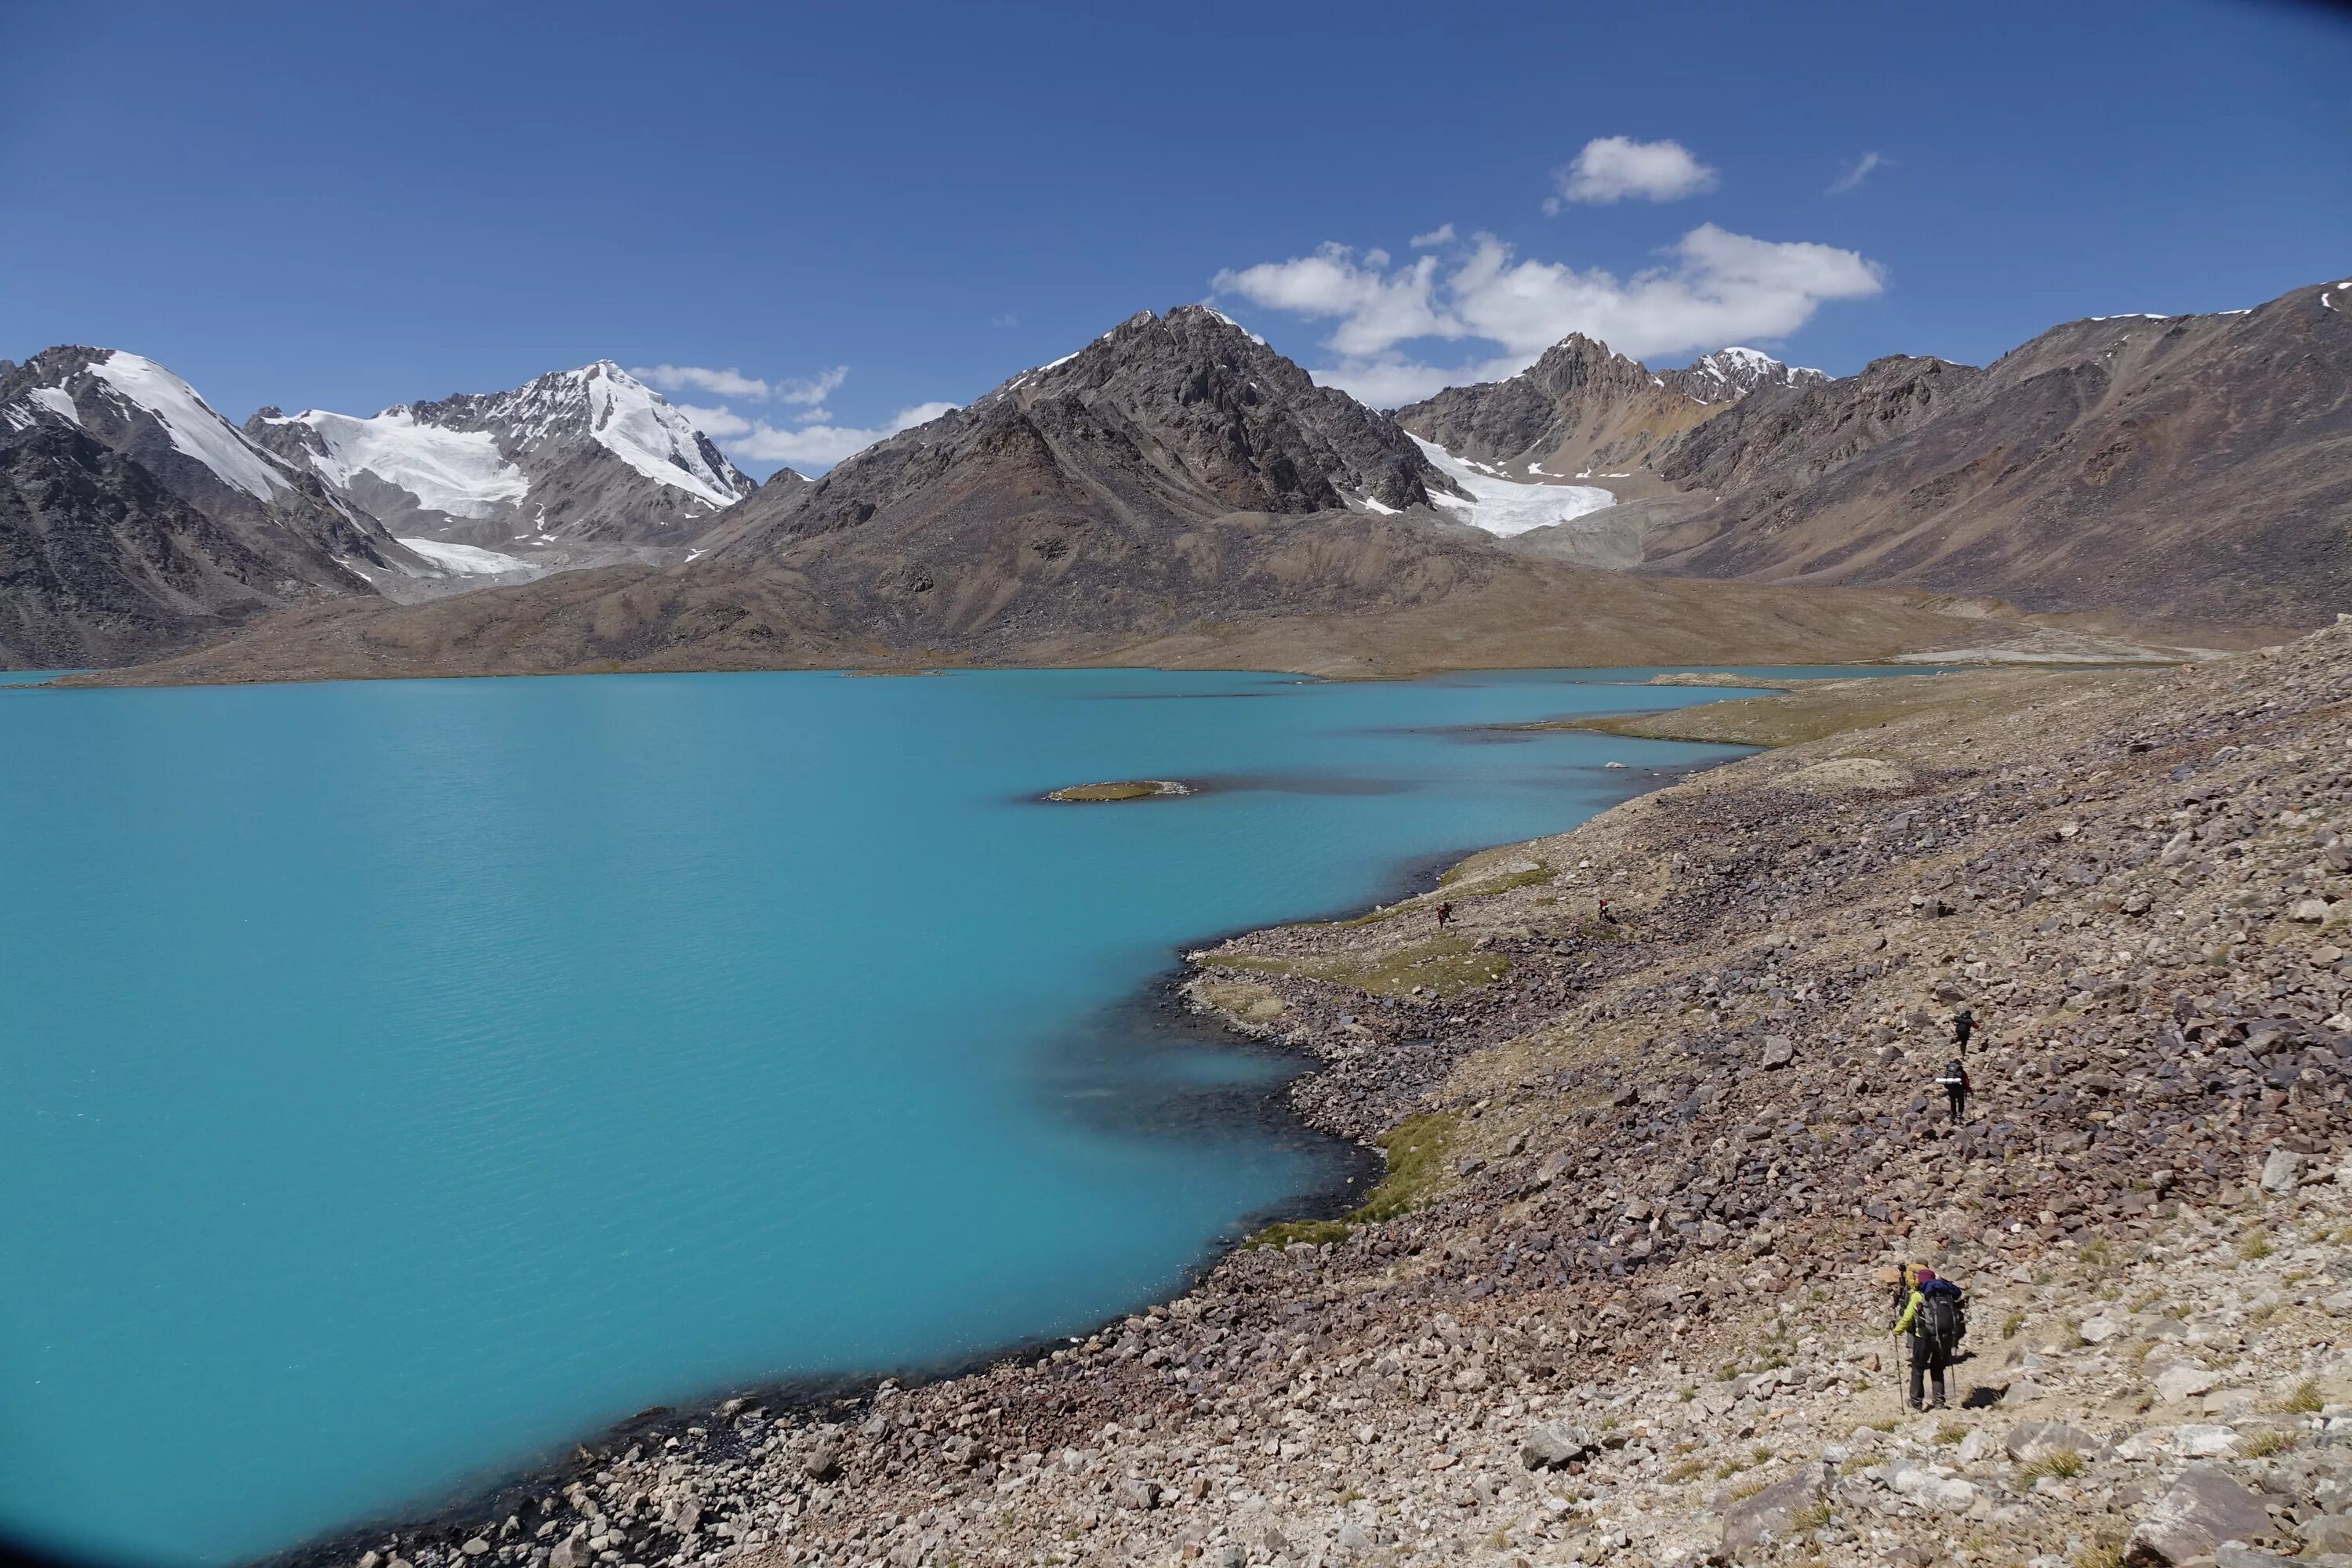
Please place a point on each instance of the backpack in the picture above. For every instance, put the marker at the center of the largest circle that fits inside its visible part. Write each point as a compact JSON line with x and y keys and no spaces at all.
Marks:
{"x":1956,"y":1074}
{"x":1943,"y":1317}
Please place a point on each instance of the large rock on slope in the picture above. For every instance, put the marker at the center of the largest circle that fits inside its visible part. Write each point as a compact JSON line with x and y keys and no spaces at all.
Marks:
{"x":2204,"y":1510}
{"x":591,"y":455}
{"x":2198,"y":468}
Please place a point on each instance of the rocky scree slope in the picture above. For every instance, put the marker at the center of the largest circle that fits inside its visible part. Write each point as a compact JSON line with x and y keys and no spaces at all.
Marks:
{"x":2197,"y":467}
{"x":1615,"y":1301}
{"x":585,"y":456}
{"x":135,"y":521}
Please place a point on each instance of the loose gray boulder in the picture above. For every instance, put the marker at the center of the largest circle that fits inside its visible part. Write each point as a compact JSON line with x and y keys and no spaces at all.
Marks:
{"x":2327,"y":1533}
{"x":1555,"y":1444}
{"x":2031,"y":1440}
{"x":1754,"y":1524}
{"x":2282,"y":1171}
{"x":2189,"y":1523}
{"x":1778,"y":1050}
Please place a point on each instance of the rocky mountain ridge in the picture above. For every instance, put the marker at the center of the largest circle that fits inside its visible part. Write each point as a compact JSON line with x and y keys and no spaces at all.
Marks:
{"x":1583,"y":407}
{"x":134,"y":521}
{"x":2197,"y":467}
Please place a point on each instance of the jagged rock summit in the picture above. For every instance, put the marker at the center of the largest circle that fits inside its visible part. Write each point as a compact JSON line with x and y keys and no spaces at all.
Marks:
{"x":591,"y":455}
{"x":1583,"y":407}
{"x":1114,"y":489}
{"x":1162,"y":419}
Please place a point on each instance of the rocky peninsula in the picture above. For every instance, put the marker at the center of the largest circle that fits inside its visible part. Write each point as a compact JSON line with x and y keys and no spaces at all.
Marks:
{"x":1618,"y":1299}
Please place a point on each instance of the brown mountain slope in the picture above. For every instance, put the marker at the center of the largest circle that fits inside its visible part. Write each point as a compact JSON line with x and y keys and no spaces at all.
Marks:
{"x":2198,"y":468}
{"x":1466,"y":608}
{"x":101,"y":563}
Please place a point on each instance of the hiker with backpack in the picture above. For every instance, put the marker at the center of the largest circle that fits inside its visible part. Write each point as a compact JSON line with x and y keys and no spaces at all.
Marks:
{"x":1937,"y":1319}
{"x":1964,"y":1024}
{"x":1956,"y":1086}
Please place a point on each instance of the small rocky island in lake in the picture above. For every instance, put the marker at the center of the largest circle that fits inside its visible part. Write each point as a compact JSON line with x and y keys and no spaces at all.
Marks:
{"x":1121,"y":789}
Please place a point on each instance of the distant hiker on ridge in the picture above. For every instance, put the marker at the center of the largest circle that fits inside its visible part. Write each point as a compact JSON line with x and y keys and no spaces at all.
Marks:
{"x":1444,"y":915}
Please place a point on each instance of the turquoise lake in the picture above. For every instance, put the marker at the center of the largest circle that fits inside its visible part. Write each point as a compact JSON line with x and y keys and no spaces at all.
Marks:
{"x":401,"y":1079}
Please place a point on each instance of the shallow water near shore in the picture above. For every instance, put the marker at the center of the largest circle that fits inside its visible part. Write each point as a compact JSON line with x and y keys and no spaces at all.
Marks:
{"x":399,"y":1079}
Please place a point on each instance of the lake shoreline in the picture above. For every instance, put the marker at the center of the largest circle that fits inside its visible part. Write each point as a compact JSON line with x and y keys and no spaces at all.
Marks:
{"x":1630,"y":1310}
{"x":713,"y":1423}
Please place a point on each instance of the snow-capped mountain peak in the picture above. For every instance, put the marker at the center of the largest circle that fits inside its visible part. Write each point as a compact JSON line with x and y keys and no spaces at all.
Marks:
{"x":1729,"y":374}
{"x":129,"y":400}
{"x":587,"y":454}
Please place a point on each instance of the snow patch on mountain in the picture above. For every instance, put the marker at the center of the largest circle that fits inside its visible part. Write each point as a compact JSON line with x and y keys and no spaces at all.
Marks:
{"x":460,"y":472}
{"x":468,"y":560}
{"x":1505,"y":507}
{"x":57,"y":400}
{"x":190,"y":423}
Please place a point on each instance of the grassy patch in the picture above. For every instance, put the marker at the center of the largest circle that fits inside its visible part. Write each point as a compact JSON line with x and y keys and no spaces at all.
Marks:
{"x":2305,"y":1400}
{"x":1815,"y":1515}
{"x":2262,"y":1445}
{"x":2064,"y":1464}
{"x":1446,"y":965}
{"x":2255,"y":1248}
{"x":1313,"y":1232}
{"x":1950,"y":1432}
{"x":2107,"y":1551}
{"x":1416,"y":1149}
{"x":1243,"y":999}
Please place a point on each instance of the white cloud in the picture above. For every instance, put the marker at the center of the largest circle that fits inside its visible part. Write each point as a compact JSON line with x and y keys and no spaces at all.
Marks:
{"x":814,"y":390}
{"x":1375,"y":307}
{"x":1861,"y":170}
{"x":725,"y":382}
{"x":807,"y":391}
{"x":1713,"y":287}
{"x":1613,"y":168}
{"x":1442,"y":235}
{"x":821,"y":445}
{"x":716,"y":423}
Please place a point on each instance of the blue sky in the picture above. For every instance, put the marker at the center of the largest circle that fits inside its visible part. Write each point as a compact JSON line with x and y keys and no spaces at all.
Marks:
{"x":864,"y":210}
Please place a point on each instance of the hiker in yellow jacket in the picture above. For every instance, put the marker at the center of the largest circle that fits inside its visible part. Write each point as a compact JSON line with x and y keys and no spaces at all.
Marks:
{"x":1931,"y":1351}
